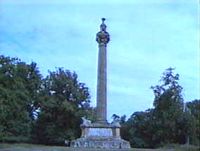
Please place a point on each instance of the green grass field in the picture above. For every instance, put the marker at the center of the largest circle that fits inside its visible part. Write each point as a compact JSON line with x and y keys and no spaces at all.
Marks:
{"x":31,"y":147}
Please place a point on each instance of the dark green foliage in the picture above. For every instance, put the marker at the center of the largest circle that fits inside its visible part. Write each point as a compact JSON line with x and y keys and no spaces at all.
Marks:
{"x":40,"y":110}
{"x":168,"y":110}
{"x":49,"y":110}
{"x":139,"y":129}
{"x":167,"y":122}
{"x":193,"y":112}
{"x":19,"y":83}
{"x":64,"y":100}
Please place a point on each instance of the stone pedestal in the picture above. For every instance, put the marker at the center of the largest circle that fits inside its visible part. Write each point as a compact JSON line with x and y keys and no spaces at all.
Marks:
{"x":100,"y":136}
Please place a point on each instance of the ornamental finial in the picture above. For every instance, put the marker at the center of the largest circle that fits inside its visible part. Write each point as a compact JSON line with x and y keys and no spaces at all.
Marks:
{"x":103,"y":36}
{"x":103,"y":25}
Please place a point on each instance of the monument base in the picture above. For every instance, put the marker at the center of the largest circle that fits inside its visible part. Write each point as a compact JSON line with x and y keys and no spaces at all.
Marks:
{"x":103,"y":143}
{"x":104,"y":136}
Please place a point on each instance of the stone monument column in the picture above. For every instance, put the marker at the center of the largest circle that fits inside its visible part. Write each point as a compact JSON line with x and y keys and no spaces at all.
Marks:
{"x":101,"y":134}
{"x":102,"y":39}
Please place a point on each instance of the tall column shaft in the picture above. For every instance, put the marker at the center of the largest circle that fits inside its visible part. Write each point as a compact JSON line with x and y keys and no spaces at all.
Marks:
{"x":102,"y":39}
{"x":102,"y":85}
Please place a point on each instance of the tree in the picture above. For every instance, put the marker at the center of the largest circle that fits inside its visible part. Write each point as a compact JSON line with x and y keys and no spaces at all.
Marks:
{"x":193,"y":111}
{"x":138,"y":130}
{"x":64,"y":100}
{"x":167,"y":122}
{"x":168,"y":110}
{"x":19,"y":85}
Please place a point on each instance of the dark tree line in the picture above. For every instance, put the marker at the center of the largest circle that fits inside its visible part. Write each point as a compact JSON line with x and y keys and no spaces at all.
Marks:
{"x":48,"y":110}
{"x":169,"y":122}
{"x":40,"y":110}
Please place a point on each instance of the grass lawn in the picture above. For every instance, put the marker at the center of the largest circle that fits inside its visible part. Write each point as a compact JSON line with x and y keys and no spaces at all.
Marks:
{"x":31,"y":147}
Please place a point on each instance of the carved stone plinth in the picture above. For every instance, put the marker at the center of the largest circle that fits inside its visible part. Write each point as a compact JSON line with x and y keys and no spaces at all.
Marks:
{"x":101,"y":136}
{"x":103,"y":143}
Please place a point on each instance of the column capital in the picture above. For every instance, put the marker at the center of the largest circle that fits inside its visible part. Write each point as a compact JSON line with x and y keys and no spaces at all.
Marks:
{"x":103,"y":37}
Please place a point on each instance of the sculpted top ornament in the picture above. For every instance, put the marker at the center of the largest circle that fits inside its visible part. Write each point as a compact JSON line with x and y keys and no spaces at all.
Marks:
{"x":103,"y":36}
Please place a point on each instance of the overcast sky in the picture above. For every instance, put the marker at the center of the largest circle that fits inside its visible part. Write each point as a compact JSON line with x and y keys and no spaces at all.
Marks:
{"x":147,"y":37}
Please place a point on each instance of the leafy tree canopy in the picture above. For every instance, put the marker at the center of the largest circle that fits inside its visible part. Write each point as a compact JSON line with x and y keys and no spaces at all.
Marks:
{"x":19,"y":86}
{"x":167,"y":122}
{"x":64,"y":100}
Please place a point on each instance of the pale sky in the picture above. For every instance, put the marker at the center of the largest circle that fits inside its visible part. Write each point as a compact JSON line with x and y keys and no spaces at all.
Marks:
{"x":147,"y":37}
